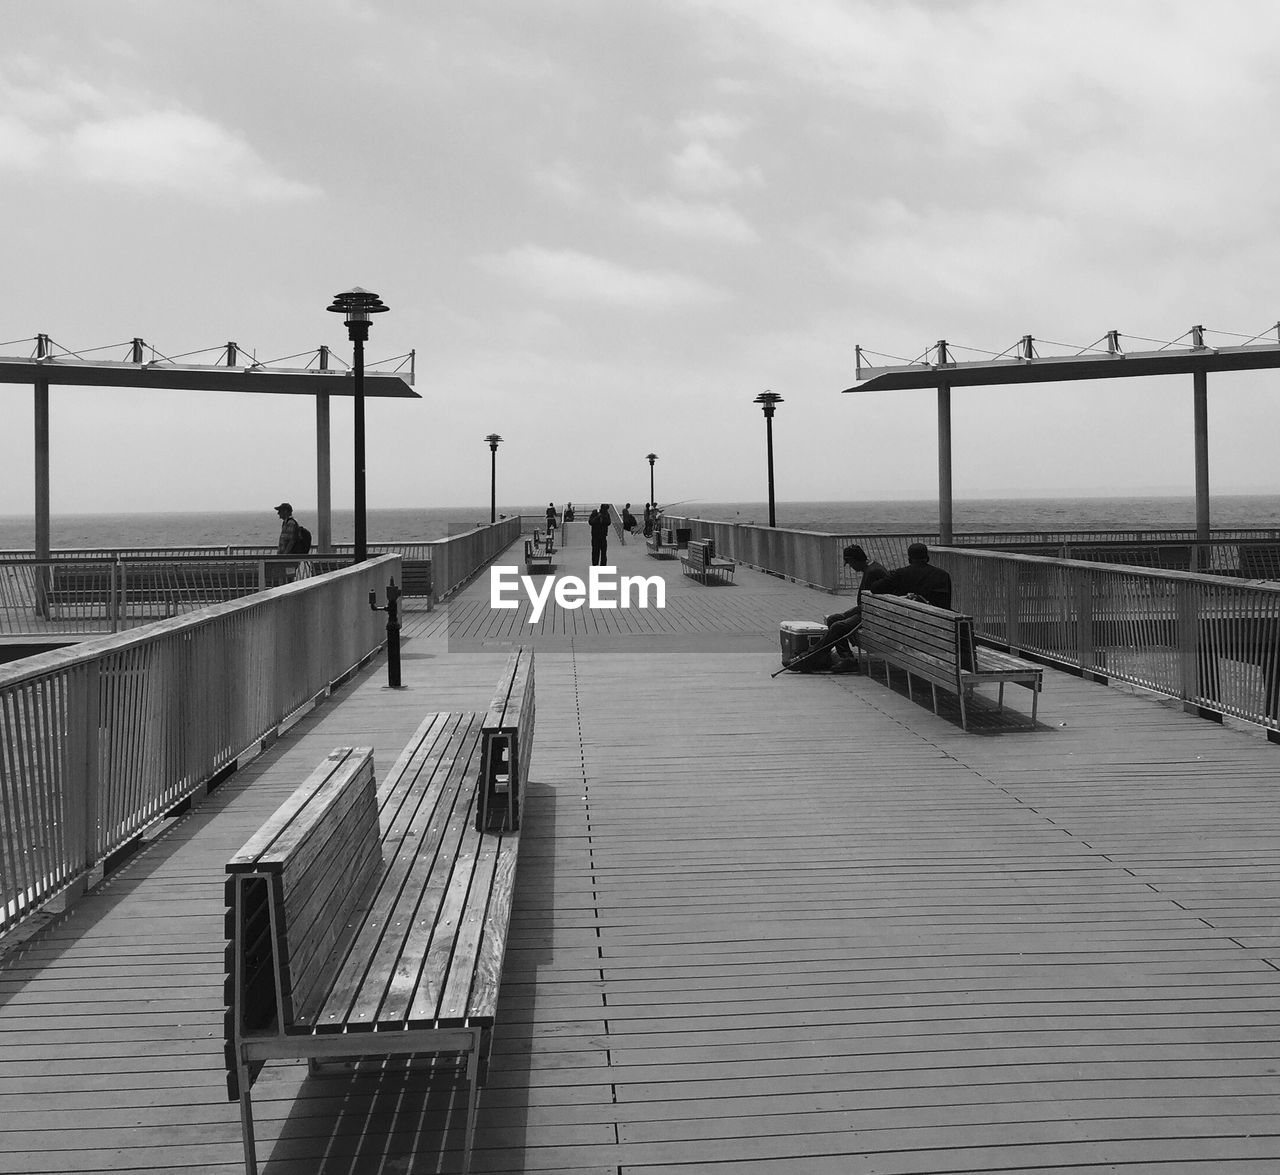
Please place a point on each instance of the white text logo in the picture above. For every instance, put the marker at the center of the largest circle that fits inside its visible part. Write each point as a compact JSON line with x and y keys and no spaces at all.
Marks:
{"x":603,"y":589}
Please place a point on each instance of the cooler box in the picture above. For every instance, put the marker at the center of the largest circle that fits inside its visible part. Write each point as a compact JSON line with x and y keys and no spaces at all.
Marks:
{"x":798,"y":637}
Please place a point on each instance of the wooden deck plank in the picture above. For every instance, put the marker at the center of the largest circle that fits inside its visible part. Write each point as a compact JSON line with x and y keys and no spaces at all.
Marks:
{"x":760,"y":926}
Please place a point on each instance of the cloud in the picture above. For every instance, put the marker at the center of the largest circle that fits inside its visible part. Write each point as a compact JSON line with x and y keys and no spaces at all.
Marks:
{"x":700,"y":168}
{"x":700,"y":219}
{"x":711,"y":124}
{"x":180,"y":152}
{"x":69,"y":128}
{"x":21,"y":148}
{"x":569,"y":275}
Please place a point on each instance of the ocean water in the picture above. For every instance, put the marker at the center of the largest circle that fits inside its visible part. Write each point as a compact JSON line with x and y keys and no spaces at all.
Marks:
{"x":70,"y":531}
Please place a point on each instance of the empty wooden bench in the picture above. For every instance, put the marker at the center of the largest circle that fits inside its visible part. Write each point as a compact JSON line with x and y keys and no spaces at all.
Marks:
{"x":699,"y":559}
{"x":537,"y":555}
{"x":663,"y":543}
{"x":937,"y":645}
{"x":366,"y":921}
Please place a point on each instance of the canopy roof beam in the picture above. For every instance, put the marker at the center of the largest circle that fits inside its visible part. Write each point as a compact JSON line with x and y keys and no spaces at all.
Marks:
{"x":43,"y":369}
{"x":937,"y":369}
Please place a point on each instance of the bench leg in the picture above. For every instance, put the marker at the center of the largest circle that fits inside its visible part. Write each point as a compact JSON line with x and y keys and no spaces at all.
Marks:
{"x":964,"y":714}
{"x":1001,"y":698}
{"x":1035,"y":698}
{"x":473,"y":1101}
{"x":246,"y":1121}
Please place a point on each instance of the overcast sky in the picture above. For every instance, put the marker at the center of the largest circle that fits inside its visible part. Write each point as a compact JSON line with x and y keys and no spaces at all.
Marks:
{"x":605,"y":227}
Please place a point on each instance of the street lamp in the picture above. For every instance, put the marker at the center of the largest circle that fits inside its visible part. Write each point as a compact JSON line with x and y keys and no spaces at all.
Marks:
{"x":768,"y":401}
{"x":651,"y":458}
{"x":357,"y":305}
{"x":494,"y":441}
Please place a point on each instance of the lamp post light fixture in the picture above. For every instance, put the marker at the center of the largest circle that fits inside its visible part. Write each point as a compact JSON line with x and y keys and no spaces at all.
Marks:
{"x":357,"y":305}
{"x":651,"y":458}
{"x":494,"y":441}
{"x":768,"y":401}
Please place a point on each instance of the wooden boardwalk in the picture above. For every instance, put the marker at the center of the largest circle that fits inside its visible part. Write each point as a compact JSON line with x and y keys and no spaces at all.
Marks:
{"x":765,"y":926}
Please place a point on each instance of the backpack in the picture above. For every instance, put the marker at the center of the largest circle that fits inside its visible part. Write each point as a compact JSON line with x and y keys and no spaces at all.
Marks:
{"x":302,"y":544}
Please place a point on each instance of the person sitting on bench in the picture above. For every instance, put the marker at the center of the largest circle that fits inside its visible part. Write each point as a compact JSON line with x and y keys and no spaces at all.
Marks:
{"x":917,"y":578}
{"x":842,"y":626}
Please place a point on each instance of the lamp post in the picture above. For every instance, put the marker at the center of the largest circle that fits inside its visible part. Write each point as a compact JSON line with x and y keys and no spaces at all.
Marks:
{"x":357,"y":305}
{"x":768,"y":401}
{"x":651,"y":458}
{"x":494,"y":441}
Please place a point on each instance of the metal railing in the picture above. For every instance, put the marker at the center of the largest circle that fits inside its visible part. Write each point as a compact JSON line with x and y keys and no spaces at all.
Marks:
{"x":816,"y":558}
{"x":1210,"y":641}
{"x":806,"y":556}
{"x":456,"y":560}
{"x":81,"y":596}
{"x":99,"y":741}
{"x":83,"y":592}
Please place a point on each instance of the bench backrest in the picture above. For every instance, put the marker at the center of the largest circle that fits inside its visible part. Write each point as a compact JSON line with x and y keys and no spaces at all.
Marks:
{"x":506,"y":743}
{"x":700,"y":553}
{"x":933,"y":643}
{"x":295,"y":892}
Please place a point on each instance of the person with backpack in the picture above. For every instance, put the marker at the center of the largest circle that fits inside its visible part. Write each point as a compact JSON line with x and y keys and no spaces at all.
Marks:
{"x":295,"y":539}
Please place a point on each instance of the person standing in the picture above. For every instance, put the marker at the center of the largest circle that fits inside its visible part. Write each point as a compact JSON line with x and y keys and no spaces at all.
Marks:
{"x":600,"y":523}
{"x":288,"y":530}
{"x":551,"y":517}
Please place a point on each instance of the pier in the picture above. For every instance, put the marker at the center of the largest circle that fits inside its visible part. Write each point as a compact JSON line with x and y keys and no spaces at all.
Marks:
{"x":762,"y":925}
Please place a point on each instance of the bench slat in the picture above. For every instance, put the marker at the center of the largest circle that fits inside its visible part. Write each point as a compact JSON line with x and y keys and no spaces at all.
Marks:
{"x":443,"y":994}
{"x":431,"y":980}
{"x":438,"y":882}
{"x":418,"y":807}
{"x":483,"y":999}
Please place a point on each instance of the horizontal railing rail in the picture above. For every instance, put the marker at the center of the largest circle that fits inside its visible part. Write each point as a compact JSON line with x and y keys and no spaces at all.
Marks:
{"x":99,"y":741}
{"x":1210,"y":641}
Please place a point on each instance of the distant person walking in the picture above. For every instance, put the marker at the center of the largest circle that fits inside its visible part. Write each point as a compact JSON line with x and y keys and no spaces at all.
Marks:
{"x":551,"y":517}
{"x":288,"y":530}
{"x":600,"y":522}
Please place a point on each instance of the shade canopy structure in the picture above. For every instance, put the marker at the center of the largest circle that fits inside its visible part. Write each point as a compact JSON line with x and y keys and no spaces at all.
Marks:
{"x":45,"y":369}
{"x":1106,"y":359}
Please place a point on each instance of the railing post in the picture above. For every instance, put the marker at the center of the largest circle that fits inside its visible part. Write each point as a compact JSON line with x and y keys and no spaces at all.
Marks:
{"x":116,"y":593}
{"x":1085,"y":654}
{"x":1188,"y":638}
{"x":1012,"y":605}
{"x":81,"y":771}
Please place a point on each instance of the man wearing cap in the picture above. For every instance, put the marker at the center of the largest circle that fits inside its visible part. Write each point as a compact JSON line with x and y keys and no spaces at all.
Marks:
{"x":917,"y":578}
{"x":288,"y":529}
{"x":841,"y":626}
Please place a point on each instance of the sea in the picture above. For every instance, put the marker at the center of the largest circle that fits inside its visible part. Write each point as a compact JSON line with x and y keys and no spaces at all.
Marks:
{"x":74,"y":531}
